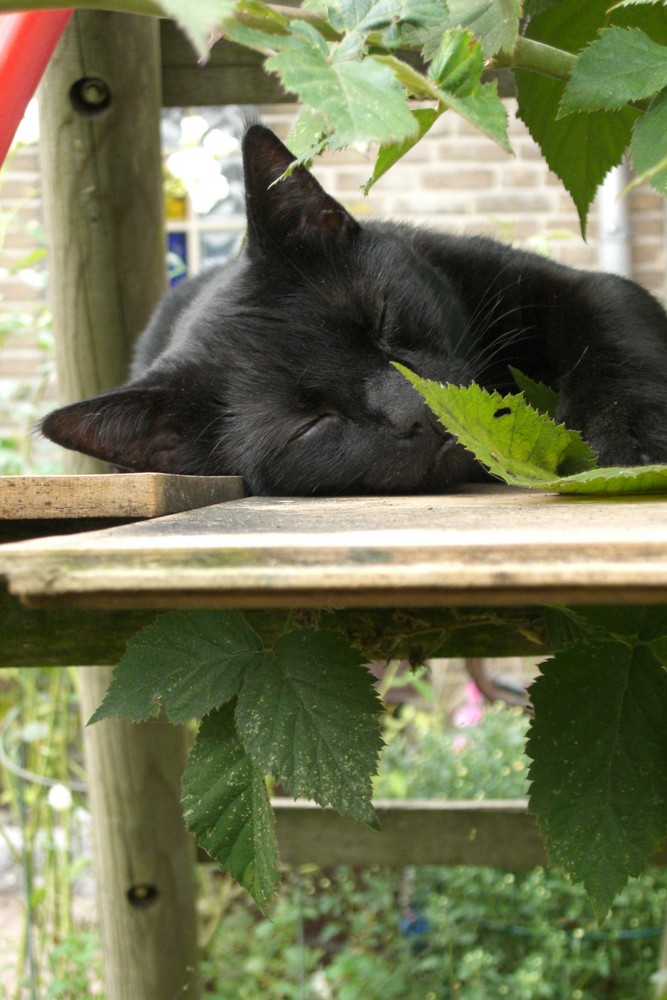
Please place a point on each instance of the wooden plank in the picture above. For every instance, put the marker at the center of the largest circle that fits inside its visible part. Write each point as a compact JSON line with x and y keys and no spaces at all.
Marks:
{"x":136,"y":495}
{"x":500,"y":833}
{"x":492,"y":546}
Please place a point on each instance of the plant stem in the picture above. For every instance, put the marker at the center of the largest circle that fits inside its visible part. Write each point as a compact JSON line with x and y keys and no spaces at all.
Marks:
{"x":544,"y":59}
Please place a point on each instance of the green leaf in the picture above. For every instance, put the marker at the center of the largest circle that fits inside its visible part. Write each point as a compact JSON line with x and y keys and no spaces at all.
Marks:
{"x":614,"y":481}
{"x":494,"y":22}
{"x":485,"y":110}
{"x":527,"y":448}
{"x":649,"y":144}
{"x":308,"y":714}
{"x":540,"y":396}
{"x":361,"y":100}
{"x":391,"y":153}
{"x":507,"y":435}
{"x":598,"y":745}
{"x":227,"y":807}
{"x":188,"y":661}
{"x":580,"y":149}
{"x":456,"y":67}
{"x":200,"y":21}
{"x":458,"y":62}
{"x":622,"y":65}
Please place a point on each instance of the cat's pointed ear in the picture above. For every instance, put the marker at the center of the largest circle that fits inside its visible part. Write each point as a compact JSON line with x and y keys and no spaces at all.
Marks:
{"x":137,"y":427}
{"x":292,"y":213}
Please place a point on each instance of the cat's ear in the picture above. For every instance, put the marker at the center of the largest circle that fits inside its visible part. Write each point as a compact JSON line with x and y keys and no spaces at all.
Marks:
{"x":292,"y":213}
{"x":139,"y":428}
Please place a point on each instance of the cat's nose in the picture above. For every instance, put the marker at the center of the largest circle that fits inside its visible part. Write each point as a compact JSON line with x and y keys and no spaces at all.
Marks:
{"x":394,"y":402}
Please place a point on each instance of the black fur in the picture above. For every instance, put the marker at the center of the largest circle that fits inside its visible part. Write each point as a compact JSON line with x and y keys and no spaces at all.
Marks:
{"x":276,"y":367}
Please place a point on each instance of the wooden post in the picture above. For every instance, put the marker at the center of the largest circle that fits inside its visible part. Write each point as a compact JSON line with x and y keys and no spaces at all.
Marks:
{"x":99,"y":108}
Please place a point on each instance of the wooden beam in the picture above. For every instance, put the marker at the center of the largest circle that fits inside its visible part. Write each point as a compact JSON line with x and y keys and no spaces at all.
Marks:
{"x":499,"y":833}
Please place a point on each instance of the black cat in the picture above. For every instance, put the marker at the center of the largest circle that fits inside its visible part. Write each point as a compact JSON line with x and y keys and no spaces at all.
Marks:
{"x":276,"y":367}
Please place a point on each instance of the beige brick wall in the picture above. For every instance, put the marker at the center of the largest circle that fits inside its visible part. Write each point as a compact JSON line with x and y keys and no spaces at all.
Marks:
{"x":455,"y":180}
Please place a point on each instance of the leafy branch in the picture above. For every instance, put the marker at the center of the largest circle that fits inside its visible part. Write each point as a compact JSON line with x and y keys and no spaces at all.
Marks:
{"x":591,"y":79}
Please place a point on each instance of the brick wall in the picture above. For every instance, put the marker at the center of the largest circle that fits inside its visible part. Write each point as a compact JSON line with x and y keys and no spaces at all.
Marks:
{"x":456,"y":180}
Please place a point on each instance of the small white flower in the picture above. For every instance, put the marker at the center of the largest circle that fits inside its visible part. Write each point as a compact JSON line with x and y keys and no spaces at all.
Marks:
{"x":60,"y":798}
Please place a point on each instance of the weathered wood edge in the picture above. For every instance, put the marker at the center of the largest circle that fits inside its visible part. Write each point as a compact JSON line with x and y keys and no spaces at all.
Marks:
{"x":131,"y":495}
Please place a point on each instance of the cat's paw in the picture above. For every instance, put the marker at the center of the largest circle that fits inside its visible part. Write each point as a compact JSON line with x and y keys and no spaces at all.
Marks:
{"x":625,"y":431}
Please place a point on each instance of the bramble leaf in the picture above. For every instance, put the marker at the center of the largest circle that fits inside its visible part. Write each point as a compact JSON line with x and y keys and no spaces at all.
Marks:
{"x":391,"y":153}
{"x":540,"y":396}
{"x":188,"y":661}
{"x":598,"y":745}
{"x":507,"y":435}
{"x":580,"y":149}
{"x":526,"y":448}
{"x":649,"y":144}
{"x":308,"y":714}
{"x":622,"y":65}
{"x":494,"y":22}
{"x":227,"y":807}
{"x":360,"y":99}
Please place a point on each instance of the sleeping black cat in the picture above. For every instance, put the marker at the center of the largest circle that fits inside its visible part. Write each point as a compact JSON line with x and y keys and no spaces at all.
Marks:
{"x":276,"y":367}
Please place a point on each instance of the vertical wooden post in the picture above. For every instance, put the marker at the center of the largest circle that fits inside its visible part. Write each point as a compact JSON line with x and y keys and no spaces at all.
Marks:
{"x":99,"y":109}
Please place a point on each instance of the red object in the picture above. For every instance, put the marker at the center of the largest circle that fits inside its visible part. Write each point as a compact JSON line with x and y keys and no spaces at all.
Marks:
{"x":27,"y":42}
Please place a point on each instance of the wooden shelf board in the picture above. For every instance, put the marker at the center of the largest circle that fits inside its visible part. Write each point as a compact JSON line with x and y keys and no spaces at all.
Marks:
{"x":482,"y":546}
{"x":135,"y":495}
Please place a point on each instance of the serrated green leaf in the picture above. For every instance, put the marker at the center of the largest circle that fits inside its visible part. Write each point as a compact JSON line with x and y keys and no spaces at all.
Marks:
{"x":457,"y":63}
{"x":614,"y":481}
{"x":484,"y":109}
{"x":494,"y":22}
{"x":308,"y":714}
{"x":527,"y":448}
{"x":227,"y":807}
{"x":391,"y":153}
{"x":187,"y":661}
{"x":622,"y":65}
{"x":506,"y":435}
{"x":598,"y":745}
{"x":367,"y":16}
{"x":361,"y":100}
{"x":649,"y":144}
{"x":580,"y":149}
{"x":199,"y":20}
{"x":540,"y":396}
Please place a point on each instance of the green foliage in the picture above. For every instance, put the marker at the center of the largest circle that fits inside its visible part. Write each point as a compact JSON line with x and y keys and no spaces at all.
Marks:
{"x":227,"y":806}
{"x":526,"y":447}
{"x":43,"y":820}
{"x":302,"y":710}
{"x":581,"y":70}
{"x":486,"y":933}
{"x":599,"y":750}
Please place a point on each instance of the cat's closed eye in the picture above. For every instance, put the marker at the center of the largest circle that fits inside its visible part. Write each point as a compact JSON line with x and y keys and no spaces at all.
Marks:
{"x":315,"y":424}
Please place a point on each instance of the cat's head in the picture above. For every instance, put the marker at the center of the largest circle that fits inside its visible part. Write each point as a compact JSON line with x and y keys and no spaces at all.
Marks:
{"x":277,"y":367}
